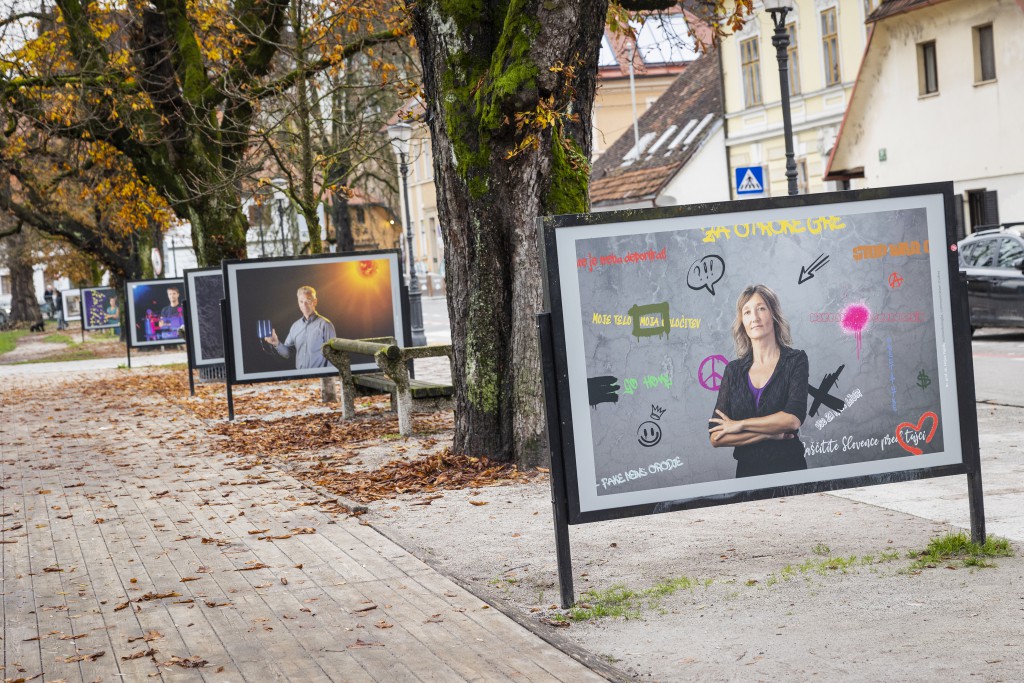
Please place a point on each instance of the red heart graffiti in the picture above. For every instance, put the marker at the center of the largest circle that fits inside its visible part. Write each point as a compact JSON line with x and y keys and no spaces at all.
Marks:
{"x":928,"y":439}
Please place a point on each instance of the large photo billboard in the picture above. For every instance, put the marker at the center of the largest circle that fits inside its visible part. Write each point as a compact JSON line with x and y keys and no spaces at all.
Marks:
{"x":204,"y":289}
{"x":715,"y":352}
{"x":156,"y":315}
{"x":282,"y":311}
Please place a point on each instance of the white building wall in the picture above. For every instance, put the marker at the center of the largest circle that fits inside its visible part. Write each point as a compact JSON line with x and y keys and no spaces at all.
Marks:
{"x":966,"y":132}
{"x":705,"y":178}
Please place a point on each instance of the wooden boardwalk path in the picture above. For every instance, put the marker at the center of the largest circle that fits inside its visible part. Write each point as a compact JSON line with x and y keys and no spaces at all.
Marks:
{"x":131,"y":553}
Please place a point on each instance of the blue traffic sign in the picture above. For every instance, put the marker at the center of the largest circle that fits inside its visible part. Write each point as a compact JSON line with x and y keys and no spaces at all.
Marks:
{"x":750,"y":180}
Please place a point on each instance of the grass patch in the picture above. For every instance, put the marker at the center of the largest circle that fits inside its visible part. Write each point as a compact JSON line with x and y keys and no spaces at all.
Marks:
{"x":956,"y":549}
{"x":826,"y":564}
{"x":58,"y":338}
{"x":621,"y":601}
{"x":9,"y":340}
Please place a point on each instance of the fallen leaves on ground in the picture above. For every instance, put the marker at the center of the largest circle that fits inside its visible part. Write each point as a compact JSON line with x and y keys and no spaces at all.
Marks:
{"x":360,"y":643}
{"x":278,"y":437}
{"x":186,"y":662}
{"x":440,"y":471}
{"x":92,"y":657}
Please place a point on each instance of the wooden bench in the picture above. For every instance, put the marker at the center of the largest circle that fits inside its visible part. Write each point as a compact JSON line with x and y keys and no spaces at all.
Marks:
{"x":393,"y":361}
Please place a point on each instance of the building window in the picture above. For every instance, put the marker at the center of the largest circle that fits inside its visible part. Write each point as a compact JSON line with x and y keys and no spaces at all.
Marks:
{"x":984,"y":54}
{"x":927,"y":70}
{"x":983,"y":207}
{"x":830,"y":46}
{"x":750,"y":59}
{"x":802,"y":185}
{"x":794,"y":64}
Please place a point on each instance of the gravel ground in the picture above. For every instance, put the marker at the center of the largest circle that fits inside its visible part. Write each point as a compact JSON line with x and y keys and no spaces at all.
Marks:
{"x":814,"y":587}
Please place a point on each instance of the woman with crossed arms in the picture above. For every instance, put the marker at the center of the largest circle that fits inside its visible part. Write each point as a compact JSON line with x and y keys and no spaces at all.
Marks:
{"x":762,"y":400}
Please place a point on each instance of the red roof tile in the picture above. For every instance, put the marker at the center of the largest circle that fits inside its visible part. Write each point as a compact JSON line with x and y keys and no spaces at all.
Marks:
{"x":692,"y":97}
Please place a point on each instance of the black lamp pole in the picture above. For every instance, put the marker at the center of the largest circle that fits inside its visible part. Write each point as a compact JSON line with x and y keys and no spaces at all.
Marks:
{"x":780,"y":39}
{"x":415,"y":301}
{"x":280,"y":217}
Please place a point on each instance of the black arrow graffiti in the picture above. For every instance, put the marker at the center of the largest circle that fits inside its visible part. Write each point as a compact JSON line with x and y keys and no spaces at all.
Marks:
{"x":806,"y":273}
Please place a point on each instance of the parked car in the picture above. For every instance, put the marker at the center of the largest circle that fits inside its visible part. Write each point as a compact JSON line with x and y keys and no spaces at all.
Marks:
{"x":993,"y":260}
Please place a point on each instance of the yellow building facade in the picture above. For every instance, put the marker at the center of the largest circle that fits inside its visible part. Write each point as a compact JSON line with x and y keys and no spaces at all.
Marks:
{"x":827,"y":40}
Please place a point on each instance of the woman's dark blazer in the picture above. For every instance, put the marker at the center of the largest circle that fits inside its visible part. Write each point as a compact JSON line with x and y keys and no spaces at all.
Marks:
{"x":787,"y":392}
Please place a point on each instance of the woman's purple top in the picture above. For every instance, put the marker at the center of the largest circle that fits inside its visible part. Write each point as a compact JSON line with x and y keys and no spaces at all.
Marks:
{"x":757,"y":392}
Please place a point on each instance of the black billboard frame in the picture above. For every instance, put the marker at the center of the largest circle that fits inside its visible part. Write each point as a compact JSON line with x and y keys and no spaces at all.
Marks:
{"x":230,"y":378}
{"x":558,"y":412}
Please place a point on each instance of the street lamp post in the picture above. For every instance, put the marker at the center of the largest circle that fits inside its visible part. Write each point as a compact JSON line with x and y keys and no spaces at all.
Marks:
{"x":280,"y":217}
{"x":400,"y":133}
{"x":780,"y":39}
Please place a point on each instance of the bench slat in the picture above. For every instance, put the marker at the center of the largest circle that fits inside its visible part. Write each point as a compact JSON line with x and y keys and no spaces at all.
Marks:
{"x":417,"y":388}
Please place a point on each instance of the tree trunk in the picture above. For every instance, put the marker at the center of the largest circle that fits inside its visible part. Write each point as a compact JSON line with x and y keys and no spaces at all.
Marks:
{"x":218,"y":228}
{"x":24,"y":306}
{"x":483,"y":65}
{"x":343,"y":240}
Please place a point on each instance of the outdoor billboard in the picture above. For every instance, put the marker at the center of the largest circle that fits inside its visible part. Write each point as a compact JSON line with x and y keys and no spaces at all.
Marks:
{"x":708,"y":352}
{"x":71,"y":301}
{"x":204,"y":289}
{"x":277,"y":327}
{"x":155,"y":313}
{"x":101,"y":308}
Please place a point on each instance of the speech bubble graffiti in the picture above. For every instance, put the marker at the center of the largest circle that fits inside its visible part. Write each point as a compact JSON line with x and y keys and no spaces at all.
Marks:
{"x":705,"y":273}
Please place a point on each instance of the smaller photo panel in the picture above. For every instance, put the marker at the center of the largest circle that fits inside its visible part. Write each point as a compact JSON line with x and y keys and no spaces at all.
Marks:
{"x":282,"y":311}
{"x":71,"y":300}
{"x":101,"y":308}
{"x":204,"y":289}
{"x":155,"y":312}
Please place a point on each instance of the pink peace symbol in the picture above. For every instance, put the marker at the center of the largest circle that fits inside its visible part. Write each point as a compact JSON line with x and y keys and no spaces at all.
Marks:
{"x":712,"y":379}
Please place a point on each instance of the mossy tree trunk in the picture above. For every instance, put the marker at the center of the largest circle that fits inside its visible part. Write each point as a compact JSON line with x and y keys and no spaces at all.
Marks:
{"x":484,"y":63}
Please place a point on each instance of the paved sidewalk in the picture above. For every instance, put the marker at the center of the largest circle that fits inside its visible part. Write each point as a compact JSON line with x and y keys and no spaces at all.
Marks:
{"x":131,"y":553}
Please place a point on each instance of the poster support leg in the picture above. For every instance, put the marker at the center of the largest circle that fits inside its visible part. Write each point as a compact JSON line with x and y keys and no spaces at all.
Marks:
{"x":188,"y":348}
{"x":559,"y":498}
{"x":969,"y":417}
{"x":229,"y":358}
{"x":127,"y":330}
{"x":968,"y":408}
{"x":976,"y":500}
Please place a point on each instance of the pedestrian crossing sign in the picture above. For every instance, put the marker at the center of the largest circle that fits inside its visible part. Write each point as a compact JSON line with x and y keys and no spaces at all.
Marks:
{"x":749,"y":180}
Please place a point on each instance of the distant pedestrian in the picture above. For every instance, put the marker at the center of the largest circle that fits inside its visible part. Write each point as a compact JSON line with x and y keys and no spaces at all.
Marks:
{"x":58,"y":301}
{"x":48,"y":302}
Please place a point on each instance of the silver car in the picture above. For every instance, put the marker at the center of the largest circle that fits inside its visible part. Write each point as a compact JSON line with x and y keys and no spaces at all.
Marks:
{"x":993,"y":261}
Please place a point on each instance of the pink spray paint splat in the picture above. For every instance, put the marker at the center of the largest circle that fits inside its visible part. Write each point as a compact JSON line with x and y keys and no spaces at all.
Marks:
{"x":854,"y":320}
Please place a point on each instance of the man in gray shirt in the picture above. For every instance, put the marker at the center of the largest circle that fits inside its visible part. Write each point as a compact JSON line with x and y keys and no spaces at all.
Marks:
{"x":306,"y":335}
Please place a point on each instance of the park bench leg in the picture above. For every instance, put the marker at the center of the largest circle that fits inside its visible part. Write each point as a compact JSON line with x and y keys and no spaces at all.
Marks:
{"x":398,"y":371}
{"x":341,"y":360}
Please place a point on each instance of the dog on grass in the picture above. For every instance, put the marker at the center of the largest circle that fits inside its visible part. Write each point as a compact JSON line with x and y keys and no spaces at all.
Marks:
{"x":37,"y":327}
